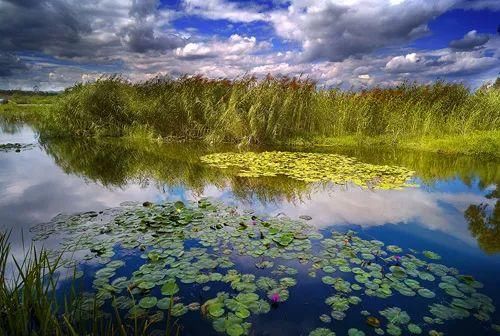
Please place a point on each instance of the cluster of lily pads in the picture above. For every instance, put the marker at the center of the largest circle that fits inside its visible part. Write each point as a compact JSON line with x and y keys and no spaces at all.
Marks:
{"x":312,"y":167}
{"x":15,"y":147}
{"x":382,"y":272}
{"x":198,"y":244}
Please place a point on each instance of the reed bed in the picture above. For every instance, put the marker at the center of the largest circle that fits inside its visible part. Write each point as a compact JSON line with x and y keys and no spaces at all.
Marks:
{"x":274,"y":109}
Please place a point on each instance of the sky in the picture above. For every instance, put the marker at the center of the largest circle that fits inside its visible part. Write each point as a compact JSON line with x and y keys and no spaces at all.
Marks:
{"x":53,"y":44}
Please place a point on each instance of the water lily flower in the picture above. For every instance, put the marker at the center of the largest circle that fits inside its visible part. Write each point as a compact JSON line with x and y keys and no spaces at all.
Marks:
{"x":275,"y":298}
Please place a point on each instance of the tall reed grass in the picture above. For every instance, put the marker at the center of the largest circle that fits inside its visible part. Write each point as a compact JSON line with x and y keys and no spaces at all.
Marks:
{"x":271,"y":110}
{"x":31,"y":302}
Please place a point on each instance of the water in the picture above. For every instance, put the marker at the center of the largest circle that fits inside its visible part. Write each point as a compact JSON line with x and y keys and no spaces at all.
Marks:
{"x":62,"y":176}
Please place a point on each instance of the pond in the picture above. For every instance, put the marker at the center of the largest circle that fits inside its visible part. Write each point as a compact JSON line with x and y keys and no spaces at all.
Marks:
{"x":264,"y":252}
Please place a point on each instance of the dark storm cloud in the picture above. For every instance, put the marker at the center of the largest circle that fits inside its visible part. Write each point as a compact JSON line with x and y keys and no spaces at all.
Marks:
{"x":143,"y":8}
{"x":141,"y":37}
{"x":470,"y":41}
{"x":30,"y":25}
{"x":10,"y":64}
{"x":97,"y":29}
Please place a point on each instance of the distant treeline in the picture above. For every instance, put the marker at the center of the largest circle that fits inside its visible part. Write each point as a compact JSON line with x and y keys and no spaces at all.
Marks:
{"x":10,"y":93}
{"x":27,"y":97}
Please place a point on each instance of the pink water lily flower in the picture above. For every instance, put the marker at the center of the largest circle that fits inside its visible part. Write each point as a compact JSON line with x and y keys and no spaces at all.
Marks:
{"x":275,"y":297}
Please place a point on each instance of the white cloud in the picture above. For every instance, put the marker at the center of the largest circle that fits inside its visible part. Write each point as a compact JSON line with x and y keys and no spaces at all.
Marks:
{"x":368,"y":209}
{"x":222,"y":10}
{"x":463,"y":63}
{"x":407,"y":63}
{"x":470,"y":41}
{"x":334,"y":42}
{"x":337,"y":30}
{"x":234,"y":45}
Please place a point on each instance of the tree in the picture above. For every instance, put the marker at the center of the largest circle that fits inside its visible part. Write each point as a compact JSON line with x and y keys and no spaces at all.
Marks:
{"x":484,"y":226}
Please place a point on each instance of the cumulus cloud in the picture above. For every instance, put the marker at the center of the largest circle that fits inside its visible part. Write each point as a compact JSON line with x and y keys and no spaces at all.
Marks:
{"x":235,"y":45}
{"x":338,"y":43}
{"x":222,"y":10}
{"x":407,"y":63}
{"x":143,"y":34}
{"x":40,"y":25}
{"x":142,"y":37}
{"x":90,"y":29}
{"x":336,"y":31}
{"x":464,"y":63}
{"x":470,"y":41}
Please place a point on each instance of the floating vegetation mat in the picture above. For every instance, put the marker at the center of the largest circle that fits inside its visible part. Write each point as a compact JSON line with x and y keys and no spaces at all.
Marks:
{"x":312,"y":167}
{"x":201,"y":244}
{"x":15,"y":147}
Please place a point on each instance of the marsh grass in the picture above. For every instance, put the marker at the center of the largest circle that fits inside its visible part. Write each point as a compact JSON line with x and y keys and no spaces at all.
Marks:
{"x":271,"y":110}
{"x":31,"y":302}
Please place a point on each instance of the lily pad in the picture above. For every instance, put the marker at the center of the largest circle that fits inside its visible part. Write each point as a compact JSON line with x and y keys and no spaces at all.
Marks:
{"x":321,"y":332}
{"x":169,"y":288}
{"x":148,"y":302}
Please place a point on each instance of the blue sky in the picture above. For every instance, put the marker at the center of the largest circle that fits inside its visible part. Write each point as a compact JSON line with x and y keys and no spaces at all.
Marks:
{"x":348,"y":43}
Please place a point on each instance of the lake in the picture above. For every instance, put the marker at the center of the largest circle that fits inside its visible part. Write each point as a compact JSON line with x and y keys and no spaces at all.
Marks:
{"x":449,"y":212}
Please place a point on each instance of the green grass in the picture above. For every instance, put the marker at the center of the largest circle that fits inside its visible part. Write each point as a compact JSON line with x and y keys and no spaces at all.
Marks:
{"x":435,"y":117}
{"x":485,"y":144}
{"x":31,"y":302}
{"x":28,"y":97}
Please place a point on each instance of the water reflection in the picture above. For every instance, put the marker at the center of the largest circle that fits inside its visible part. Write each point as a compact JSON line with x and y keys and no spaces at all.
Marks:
{"x":117,"y":163}
{"x":93,"y":174}
{"x":484,"y":222}
{"x":454,"y":212}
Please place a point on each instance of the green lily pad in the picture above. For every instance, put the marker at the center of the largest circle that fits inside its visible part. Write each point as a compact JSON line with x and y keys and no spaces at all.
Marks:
{"x":148,"y":302}
{"x":321,"y":332}
{"x":164,"y":303}
{"x":414,"y":329}
{"x":355,"y":332}
{"x":431,"y":255}
{"x":169,"y":288}
{"x":216,"y":309}
{"x":426,"y":293}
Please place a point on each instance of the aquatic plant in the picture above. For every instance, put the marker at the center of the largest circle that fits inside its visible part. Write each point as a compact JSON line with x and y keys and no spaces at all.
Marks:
{"x":311,"y":167}
{"x":15,"y":147}
{"x":280,"y":109}
{"x":158,"y":233}
{"x":31,"y":301}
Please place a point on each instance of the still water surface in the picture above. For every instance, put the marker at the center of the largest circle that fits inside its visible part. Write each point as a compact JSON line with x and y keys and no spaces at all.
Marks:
{"x":62,"y":176}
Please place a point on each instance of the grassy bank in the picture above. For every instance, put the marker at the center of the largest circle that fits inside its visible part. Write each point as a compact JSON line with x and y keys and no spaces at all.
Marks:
{"x":34,"y":302}
{"x":484,"y":144}
{"x":438,"y":117}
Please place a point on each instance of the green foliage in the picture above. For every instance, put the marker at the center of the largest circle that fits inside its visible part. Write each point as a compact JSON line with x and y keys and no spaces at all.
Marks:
{"x":271,"y":110}
{"x":312,"y":167}
{"x":485,"y":225}
{"x":31,"y":302}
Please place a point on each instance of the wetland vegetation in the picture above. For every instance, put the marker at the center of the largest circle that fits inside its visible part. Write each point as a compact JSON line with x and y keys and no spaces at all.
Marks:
{"x":441,"y":117}
{"x":181,"y":263}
